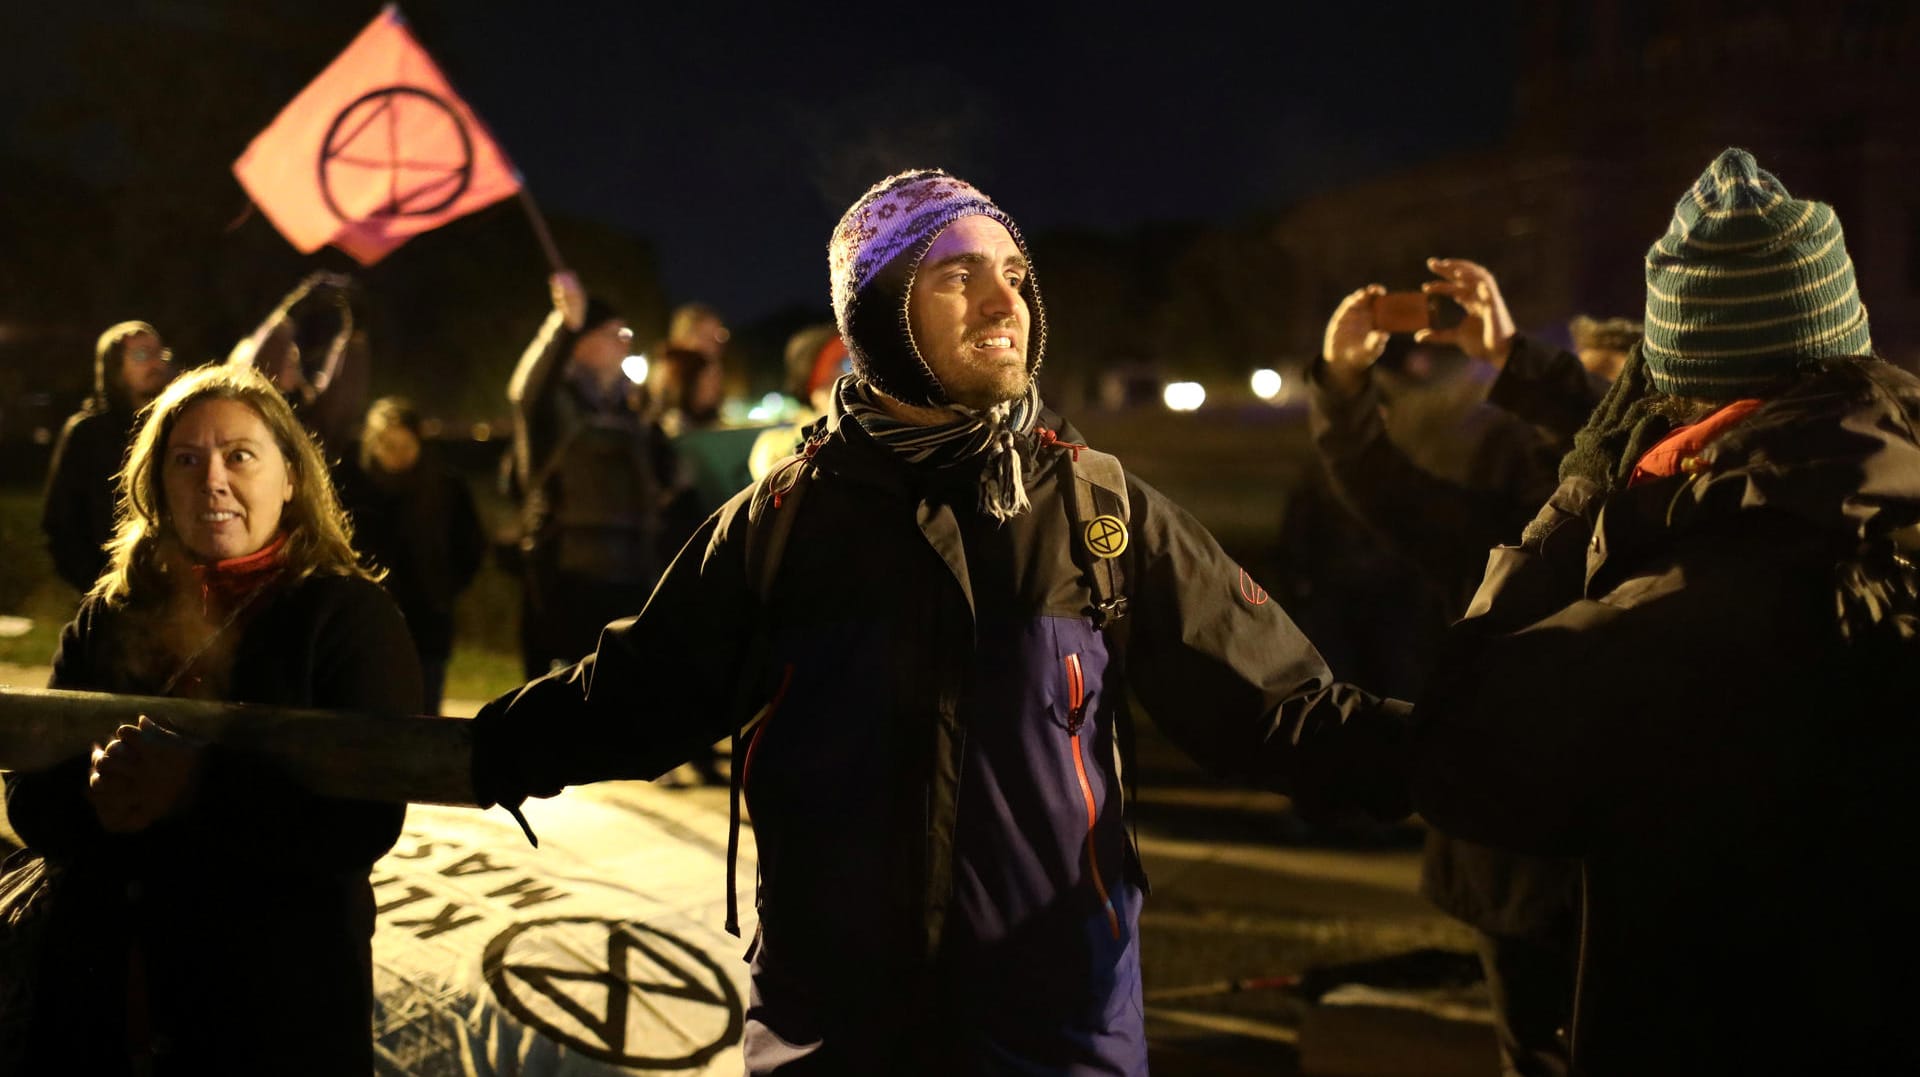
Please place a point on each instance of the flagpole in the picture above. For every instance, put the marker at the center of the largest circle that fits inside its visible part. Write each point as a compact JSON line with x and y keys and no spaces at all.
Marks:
{"x":539,"y":223}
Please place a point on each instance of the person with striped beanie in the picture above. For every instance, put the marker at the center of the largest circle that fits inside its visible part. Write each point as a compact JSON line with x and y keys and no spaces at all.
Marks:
{"x":1748,"y":288}
{"x":1693,"y":673}
{"x":1747,"y":283}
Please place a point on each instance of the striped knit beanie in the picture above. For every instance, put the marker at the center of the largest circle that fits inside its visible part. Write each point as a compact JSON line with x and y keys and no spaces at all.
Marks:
{"x":1747,"y":282}
{"x":876,"y":249}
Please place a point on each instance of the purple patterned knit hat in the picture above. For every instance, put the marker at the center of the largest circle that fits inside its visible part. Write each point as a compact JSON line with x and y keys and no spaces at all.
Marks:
{"x":873,"y":255}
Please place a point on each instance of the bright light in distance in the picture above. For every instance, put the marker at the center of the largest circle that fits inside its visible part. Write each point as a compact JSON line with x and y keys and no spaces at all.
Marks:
{"x":1184,"y":395}
{"x":635,"y":368}
{"x":1267,"y":383}
{"x":768,"y":409}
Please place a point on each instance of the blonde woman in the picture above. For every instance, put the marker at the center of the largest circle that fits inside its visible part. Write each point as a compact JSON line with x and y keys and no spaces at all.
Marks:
{"x":210,"y":915}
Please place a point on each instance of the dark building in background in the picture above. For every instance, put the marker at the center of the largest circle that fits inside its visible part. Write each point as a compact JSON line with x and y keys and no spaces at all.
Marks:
{"x":1617,"y":106}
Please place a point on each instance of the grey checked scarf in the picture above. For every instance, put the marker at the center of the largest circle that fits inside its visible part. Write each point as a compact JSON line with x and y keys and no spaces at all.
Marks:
{"x":994,"y":440}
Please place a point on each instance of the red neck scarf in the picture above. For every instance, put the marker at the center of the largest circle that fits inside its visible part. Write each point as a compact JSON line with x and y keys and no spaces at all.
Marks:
{"x":224,"y":585}
{"x":1680,"y":450}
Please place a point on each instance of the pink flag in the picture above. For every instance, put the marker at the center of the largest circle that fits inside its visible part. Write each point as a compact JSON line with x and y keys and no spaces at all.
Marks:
{"x":375,"y":151}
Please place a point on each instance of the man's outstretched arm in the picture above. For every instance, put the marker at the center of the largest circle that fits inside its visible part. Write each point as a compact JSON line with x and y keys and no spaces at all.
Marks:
{"x":1229,"y":678}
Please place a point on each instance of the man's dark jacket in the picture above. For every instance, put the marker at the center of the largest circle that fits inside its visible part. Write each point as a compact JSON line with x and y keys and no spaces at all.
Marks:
{"x":1707,"y":697}
{"x":946,"y":878}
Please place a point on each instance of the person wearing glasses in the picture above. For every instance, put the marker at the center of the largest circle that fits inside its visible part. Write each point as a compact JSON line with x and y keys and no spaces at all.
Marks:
{"x":130,"y":367}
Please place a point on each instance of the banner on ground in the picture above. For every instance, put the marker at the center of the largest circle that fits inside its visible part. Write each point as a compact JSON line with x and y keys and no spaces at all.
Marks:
{"x":601,"y":954}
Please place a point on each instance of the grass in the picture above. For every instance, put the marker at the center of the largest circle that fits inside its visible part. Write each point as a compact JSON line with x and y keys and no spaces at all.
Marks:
{"x":28,"y":586}
{"x":486,"y":655}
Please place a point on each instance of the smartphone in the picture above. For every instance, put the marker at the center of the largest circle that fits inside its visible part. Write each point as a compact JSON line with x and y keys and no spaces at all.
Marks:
{"x":1410,"y":312}
{"x":1400,"y":312}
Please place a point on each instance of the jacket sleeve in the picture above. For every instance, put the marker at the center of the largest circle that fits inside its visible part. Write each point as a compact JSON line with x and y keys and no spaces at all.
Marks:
{"x":1230,"y":679}
{"x":1442,"y":526}
{"x":529,"y":391}
{"x":659,"y":688}
{"x":64,"y":517}
{"x":1547,"y":387}
{"x":363,"y":661}
{"x":1557,"y":723}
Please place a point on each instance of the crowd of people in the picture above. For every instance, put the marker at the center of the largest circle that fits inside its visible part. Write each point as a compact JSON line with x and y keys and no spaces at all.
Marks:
{"x":1660,"y":746}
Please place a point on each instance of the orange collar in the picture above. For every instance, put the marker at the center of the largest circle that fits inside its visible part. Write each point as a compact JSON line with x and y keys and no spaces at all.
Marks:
{"x":1680,"y":451}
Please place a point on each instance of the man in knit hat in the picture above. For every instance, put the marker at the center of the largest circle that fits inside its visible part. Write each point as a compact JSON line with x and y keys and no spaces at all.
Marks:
{"x":1692,"y":672}
{"x":913,"y":631}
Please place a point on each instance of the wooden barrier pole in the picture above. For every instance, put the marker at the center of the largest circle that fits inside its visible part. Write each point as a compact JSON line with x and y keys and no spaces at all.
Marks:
{"x":334,"y":753}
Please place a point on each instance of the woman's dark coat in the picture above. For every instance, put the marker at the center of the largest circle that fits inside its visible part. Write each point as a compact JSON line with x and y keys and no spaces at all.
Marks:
{"x":251,"y":907}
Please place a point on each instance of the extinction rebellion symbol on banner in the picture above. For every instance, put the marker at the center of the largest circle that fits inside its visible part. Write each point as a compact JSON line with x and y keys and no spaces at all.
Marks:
{"x":615,"y":991}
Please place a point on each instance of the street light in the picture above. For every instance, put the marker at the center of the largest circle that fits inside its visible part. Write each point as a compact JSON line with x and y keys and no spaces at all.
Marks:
{"x":1267,"y":383}
{"x":635,"y":368}
{"x":1184,"y":395}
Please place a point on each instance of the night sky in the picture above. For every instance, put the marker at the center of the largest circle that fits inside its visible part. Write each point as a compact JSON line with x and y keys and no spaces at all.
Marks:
{"x":732,"y":135}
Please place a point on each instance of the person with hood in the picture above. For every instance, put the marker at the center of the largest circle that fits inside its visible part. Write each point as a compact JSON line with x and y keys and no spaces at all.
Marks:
{"x":925,"y":684}
{"x":592,"y":475}
{"x":1693,"y":670}
{"x":130,"y":367}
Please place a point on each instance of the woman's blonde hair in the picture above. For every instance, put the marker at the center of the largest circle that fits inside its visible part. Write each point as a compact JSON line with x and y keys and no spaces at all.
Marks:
{"x":319,"y":535}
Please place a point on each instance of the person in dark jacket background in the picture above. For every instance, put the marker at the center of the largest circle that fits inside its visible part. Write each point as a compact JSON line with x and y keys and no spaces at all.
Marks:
{"x":130,"y":367}
{"x":1693,"y":671}
{"x":209,"y":915}
{"x":592,"y":475}
{"x":1523,"y":909}
{"x":414,"y":518}
{"x":934,"y":771}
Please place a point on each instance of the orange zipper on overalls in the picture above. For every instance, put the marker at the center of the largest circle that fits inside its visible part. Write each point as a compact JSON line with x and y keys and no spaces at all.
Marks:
{"x":1076,"y":717}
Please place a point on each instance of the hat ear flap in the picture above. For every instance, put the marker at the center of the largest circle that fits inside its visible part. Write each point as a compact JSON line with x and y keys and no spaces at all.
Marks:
{"x":880,"y":337}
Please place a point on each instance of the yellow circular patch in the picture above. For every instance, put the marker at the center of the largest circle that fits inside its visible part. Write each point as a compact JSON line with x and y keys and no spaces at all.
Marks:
{"x":1106,"y":536}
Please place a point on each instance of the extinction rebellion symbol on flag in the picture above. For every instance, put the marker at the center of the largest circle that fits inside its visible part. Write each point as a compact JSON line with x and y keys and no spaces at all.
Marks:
{"x":374,"y":151}
{"x":364,"y":145}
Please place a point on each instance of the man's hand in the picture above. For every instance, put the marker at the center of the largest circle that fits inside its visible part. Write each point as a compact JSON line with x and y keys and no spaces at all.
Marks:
{"x":1352,"y":344}
{"x":569,"y":298}
{"x":1487,"y":331}
{"x":141,"y":776}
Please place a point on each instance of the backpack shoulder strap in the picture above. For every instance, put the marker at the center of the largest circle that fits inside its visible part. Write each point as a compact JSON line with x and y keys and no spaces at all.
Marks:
{"x":1100,"y":490}
{"x":770,"y":516}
